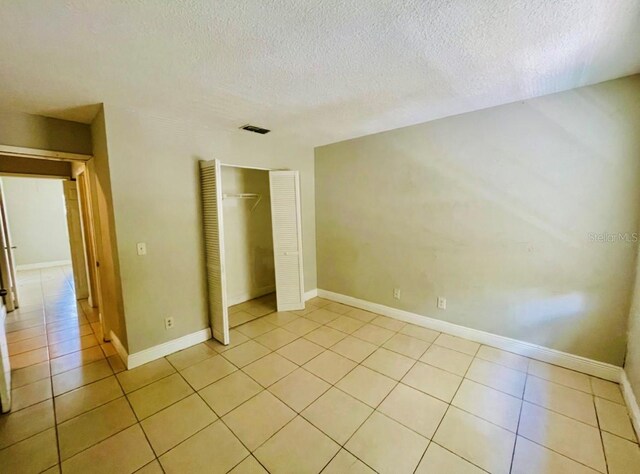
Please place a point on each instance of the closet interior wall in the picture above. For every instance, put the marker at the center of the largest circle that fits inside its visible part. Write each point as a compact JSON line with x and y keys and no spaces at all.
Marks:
{"x":247,"y":234}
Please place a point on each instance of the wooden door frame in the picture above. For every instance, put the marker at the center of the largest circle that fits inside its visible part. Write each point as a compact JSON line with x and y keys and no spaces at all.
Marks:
{"x":8,"y":261}
{"x":85,"y":204}
{"x":40,"y":154}
{"x":88,"y":234}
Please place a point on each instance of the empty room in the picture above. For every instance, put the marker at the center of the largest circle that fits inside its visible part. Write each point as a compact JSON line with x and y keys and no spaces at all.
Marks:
{"x":336,"y":236}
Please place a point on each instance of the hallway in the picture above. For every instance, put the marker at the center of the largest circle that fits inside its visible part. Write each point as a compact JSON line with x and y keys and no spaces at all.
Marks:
{"x":55,"y":346}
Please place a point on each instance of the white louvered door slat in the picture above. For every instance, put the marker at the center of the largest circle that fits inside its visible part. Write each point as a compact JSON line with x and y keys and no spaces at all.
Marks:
{"x":210,"y":178}
{"x":287,"y":239}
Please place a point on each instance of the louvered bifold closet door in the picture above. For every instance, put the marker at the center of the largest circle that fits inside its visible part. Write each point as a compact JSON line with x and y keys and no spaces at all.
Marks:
{"x":287,"y":239}
{"x":210,"y":177}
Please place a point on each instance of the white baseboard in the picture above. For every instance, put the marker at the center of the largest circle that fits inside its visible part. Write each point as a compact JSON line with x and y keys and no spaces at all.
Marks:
{"x":152,"y":353}
{"x":241,"y":298}
{"x":631,"y":401}
{"x":527,"y":349}
{"x":122,"y":352}
{"x":36,"y":266}
{"x":310,"y":294}
{"x":147,"y":355}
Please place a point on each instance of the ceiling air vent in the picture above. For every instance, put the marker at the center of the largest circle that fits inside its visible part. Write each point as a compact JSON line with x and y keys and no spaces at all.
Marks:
{"x":253,"y":128}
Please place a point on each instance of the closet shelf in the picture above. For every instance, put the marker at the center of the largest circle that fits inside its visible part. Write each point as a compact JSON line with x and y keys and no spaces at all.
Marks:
{"x":258,"y":197}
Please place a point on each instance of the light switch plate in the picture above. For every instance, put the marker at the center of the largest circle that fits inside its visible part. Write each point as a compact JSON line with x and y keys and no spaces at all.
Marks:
{"x":141,"y":248}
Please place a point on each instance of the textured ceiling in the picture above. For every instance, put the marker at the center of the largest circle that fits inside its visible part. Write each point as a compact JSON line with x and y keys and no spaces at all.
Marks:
{"x":321,"y":70}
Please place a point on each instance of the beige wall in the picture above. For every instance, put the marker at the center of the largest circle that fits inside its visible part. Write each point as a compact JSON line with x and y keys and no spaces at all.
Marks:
{"x":493,"y":210}
{"x":248,"y":238}
{"x":154,"y":178}
{"x":632,"y":361}
{"x":37,"y":220}
{"x":35,"y":131}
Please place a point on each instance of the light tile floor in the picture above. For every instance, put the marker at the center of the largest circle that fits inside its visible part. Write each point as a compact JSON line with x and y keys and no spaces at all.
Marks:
{"x":329,"y":389}
{"x":253,"y":309}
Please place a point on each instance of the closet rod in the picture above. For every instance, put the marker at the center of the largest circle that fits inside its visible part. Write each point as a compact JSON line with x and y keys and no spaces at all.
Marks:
{"x":244,"y":196}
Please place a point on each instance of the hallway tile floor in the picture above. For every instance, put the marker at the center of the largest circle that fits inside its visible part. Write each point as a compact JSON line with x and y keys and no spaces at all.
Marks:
{"x":329,"y":389}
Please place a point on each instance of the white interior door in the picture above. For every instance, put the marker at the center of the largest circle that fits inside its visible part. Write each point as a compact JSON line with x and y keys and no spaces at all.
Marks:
{"x":7,"y":259}
{"x":211,"y":183}
{"x":287,"y":239}
{"x":76,"y":244}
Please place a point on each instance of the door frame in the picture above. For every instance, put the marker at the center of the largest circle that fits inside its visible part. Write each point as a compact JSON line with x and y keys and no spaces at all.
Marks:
{"x":298,"y":209}
{"x":86,"y":209}
{"x":22,"y":152}
{"x":8,"y":261}
{"x":88,"y":234}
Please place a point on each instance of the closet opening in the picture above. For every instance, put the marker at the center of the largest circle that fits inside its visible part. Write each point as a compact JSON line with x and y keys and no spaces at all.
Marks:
{"x":253,"y":243}
{"x":248,"y":237}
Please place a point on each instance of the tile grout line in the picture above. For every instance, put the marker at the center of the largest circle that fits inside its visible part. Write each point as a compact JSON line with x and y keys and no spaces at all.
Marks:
{"x":219,"y":418}
{"x":551,"y":449}
{"x":241,"y":369}
{"x":53,"y":404}
{"x":595,"y":409}
{"x":397,"y":383}
{"x":449,"y":405}
{"x":297,"y":413}
{"x":557,"y":452}
{"x":94,"y":408}
{"x":515,"y":443}
{"x":137,"y":422}
{"x":375,"y":409}
{"x":378,"y":346}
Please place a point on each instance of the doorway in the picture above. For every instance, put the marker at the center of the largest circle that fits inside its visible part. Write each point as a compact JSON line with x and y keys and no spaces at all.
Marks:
{"x":250,"y":268}
{"x":41,"y":228}
{"x":258,"y":250}
{"x":56,"y":313}
{"x":46,"y":305}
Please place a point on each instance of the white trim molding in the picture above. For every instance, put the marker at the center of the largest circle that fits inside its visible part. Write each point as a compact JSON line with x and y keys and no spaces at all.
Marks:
{"x":152,"y":353}
{"x":122,"y":352}
{"x":631,"y":401}
{"x":36,"y":266}
{"x":310,"y":294}
{"x":527,"y":349}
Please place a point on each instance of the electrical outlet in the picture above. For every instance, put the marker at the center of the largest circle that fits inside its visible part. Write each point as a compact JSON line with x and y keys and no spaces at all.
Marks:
{"x":168,"y":323}
{"x":396,"y":293}
{"x":442,"y":303}
{"x":141,"y":248}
